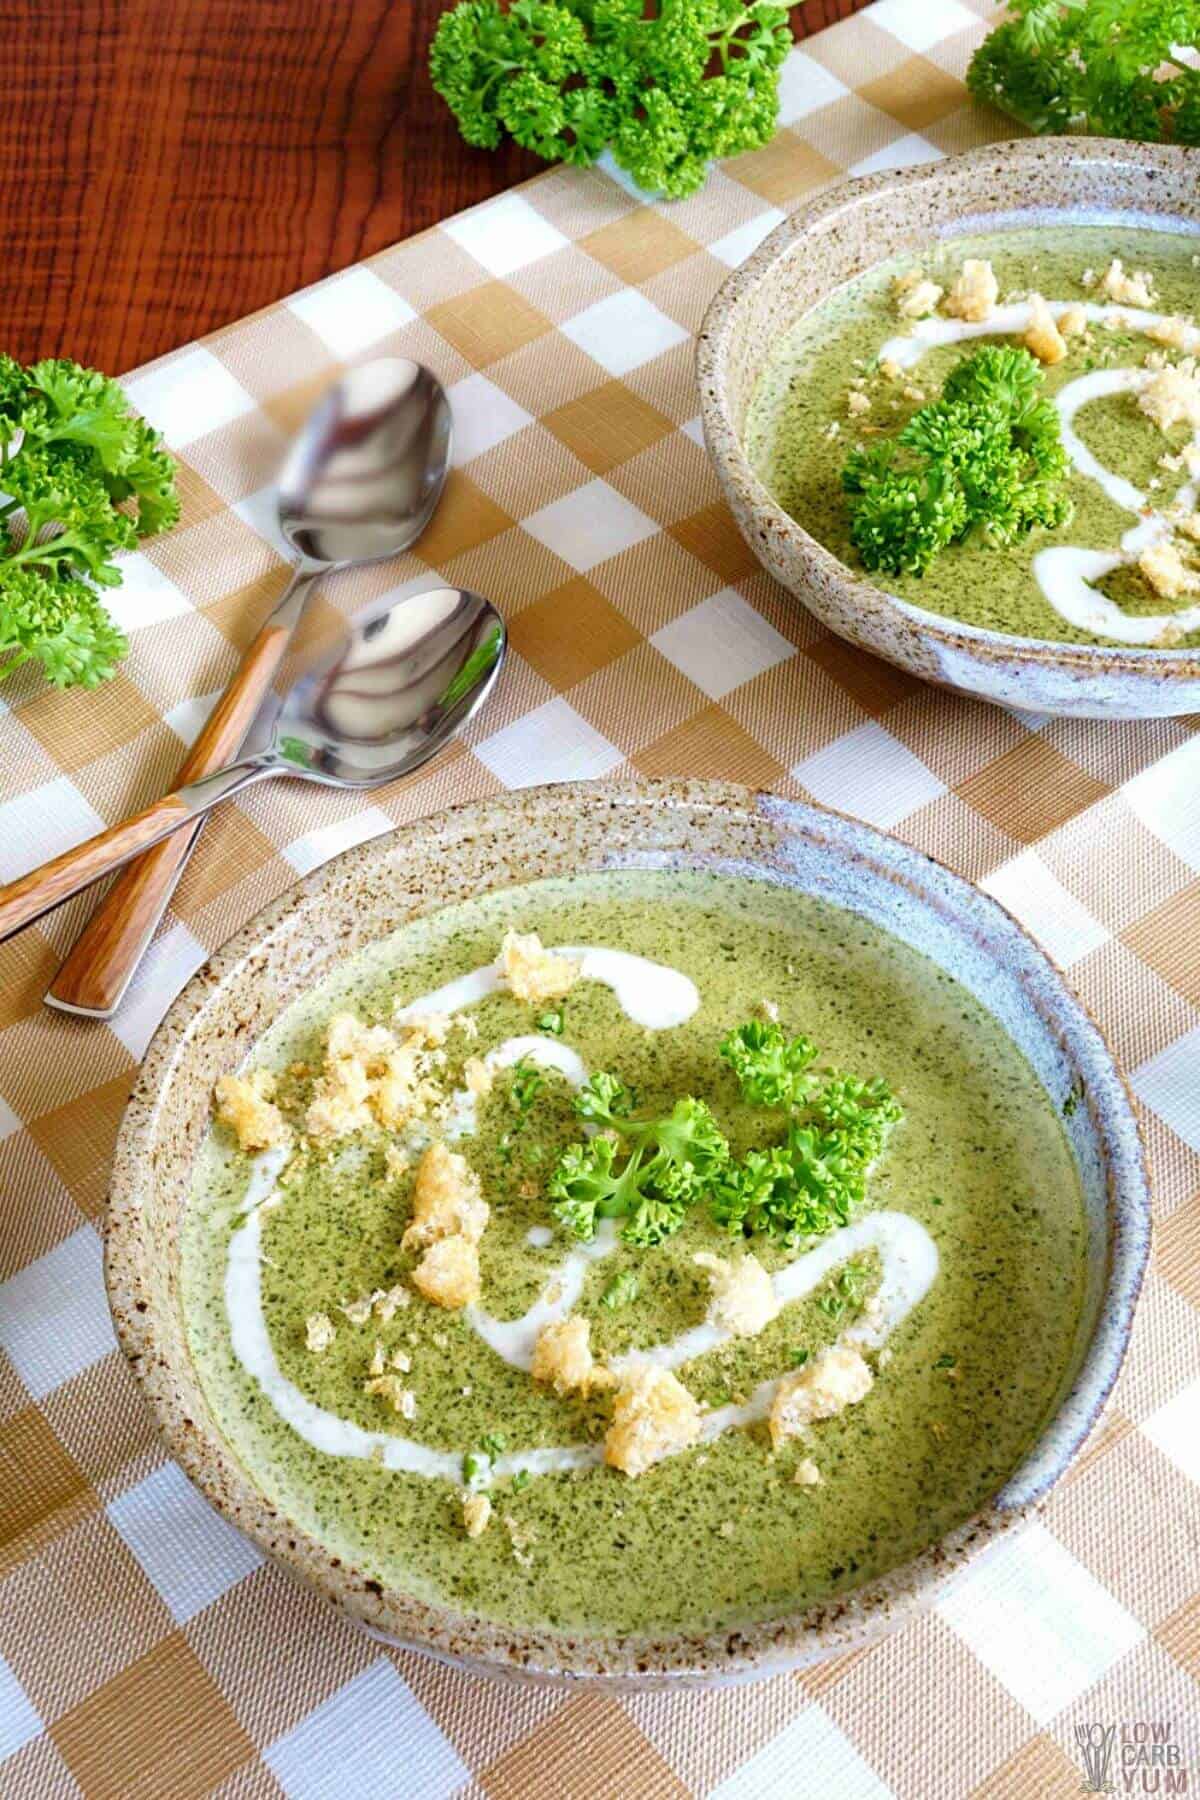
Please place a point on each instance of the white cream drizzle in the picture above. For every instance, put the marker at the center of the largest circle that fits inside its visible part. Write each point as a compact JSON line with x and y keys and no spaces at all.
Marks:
{"x":652,"y":995}
{"x":647,"y":992}
{"x":1067,"y":573}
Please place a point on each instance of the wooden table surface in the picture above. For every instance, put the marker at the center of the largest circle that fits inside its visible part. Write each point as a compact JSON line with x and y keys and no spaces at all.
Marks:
{"x":169,"y":165}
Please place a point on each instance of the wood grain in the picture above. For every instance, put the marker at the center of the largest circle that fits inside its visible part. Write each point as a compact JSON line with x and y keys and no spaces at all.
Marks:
{"x":27,"y":899}
{"x":167,"y":166}
{"x":107,"y":951}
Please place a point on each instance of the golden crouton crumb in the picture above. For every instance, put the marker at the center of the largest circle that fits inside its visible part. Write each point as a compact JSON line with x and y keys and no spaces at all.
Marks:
{"x":891,"y":371}
{"x":1173,"y":331}
{"x":1072,"y":321}
{"x":1190,"y":526}
{"x":974,"y":290}
{"x":447,"y":1201}
{"x":378,"y":1362}
{"x":448,"y":1273}
{"x":1167,"y":572}
{"x":359,"y":1311}
{"x":369,"y":1076}
{"x":534,"y":974}
{"x":520,"y":1537}
{"x":806,"y":1473}
{"x":319,"y":1332}
{"x":477,"y":1514}
{"x":1173,"y":396}
{"x":653,"y":1415}
{"x":562,"y":1357}
{"x":834,"y":1379}
{"x":915,"y":295}
{"x":857,"y":403}
{"x":1043,"y":337}
{"x":743,"y":1298}
{"x":386,"y":1305}
{"x":1132,"y":288}
{"x":396,"y":1162}
{"x":389,"y":1387}
{"x":479,"y":1077}
{"x":243,"y":1104}
{"x":400,"y":1359}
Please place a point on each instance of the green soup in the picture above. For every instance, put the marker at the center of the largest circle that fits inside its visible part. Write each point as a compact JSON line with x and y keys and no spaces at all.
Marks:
{"x":806,"y":385}
{"x":720,"y":1533}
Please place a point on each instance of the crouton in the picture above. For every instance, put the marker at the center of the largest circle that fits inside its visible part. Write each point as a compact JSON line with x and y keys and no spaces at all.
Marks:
{"x":477,"y":1513}
{"x":653,"y":1416}
{"x":973,"y":292}
{"x":834,"y":1379}
{"x":1172,"y":396}
{"x":1167,"y":572}
{"x":1043,"y":337}
{"x":448,"y":1273}
{"x":562,"y":1357}
{"x":743,"y":1298}
{"x":915,"y":295}
{"x":533,"y":973}
{"x":1134,"y":287}
{"x":447,"y":1201}
{"x":243,"y":1105}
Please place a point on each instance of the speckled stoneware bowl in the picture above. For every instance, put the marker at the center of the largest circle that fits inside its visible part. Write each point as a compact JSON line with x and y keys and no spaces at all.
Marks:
{"x":1077,"y":181}
{"x":367,"y":893}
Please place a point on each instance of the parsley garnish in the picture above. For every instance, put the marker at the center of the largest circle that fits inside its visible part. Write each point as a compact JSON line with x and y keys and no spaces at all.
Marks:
{"x":946,"y":1362}
{"x":527,"y":1083}
{"x":621,"y":1290}
{"x":494,"y":1443}
{"x":520,"y":1480}
{"x":772,"y":1069}
{"x":551,"y":1021}
{"x":1105,"y":66}
{"x":799,"y":1357}
{"x":987,"y":454}
{"x":645,"y":1171}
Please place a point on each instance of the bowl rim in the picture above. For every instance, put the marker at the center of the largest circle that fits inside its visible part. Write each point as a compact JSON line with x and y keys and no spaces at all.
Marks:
{"x":724,"y":440}
{"x":681,"y":1657}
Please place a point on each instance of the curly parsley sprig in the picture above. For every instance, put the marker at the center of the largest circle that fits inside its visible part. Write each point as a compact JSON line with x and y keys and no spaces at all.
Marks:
{"x":988,"y":454}
{"x":569,"y":78}
{"x":71,"y":453}
{"x":645,"y":1171}
{"x":1110,"y":67}
{"x":649,"y":1171}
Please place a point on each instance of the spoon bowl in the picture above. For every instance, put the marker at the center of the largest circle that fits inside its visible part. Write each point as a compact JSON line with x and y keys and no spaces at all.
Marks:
{"x":391,"y":693}
{"x":362,"y":479}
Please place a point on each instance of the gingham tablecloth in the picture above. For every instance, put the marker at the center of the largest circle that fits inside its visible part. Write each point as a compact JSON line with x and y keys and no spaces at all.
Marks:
{"x":146,"y":1649}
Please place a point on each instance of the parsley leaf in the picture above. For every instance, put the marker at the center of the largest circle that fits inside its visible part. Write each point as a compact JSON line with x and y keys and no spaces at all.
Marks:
{"x":568,"y":78}
{"x":1106,"y":66}
{"x":621,"y":1290}
{"x":645,"y":1171}
{"x":772,"y":1069}
{"x":71,"y":452}
{"x":987,"y":454}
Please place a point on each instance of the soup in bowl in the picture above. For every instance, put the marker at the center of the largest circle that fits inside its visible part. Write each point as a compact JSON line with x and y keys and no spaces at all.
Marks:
{"x":646,"y":1233}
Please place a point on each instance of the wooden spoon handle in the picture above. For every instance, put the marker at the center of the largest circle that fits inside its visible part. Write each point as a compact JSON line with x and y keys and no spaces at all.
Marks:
{"x":24,"y":900}
{"x":105,"y":955}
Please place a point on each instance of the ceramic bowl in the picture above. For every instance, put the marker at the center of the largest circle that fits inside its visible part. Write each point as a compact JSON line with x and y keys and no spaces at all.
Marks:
{"x":838,"y":236}
{"x":369,"y":892}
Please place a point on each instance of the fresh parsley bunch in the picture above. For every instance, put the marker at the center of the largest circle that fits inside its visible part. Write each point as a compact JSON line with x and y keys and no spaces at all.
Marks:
{"x":72,"y":454}
{"x":568,"y":78}
{"x":1104,"y":66}
{"x":645,"y":1171}
{"x":987,"y":453}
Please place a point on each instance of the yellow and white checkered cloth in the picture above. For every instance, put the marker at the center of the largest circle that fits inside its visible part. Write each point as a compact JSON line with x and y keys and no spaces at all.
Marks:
{"x":146,"y":1650}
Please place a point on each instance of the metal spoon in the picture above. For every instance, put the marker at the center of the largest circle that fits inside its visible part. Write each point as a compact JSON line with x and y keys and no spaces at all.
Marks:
{"x":359,"y":483}
{"x":391,"y":695}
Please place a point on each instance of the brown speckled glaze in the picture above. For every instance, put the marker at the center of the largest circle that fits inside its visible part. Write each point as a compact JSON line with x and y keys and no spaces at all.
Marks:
{"x":369,"y":892}
{"x":842,"y":233}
